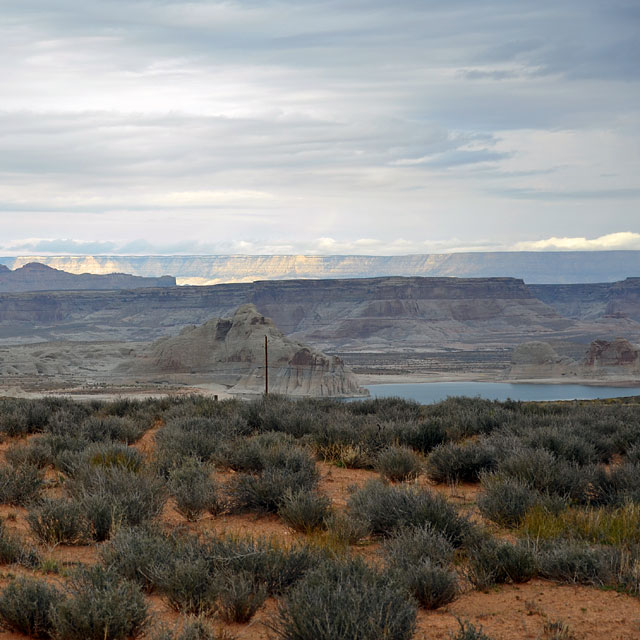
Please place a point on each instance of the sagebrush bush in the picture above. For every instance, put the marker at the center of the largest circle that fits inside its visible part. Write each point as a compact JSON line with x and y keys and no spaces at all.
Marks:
{"x":58,"y":521}
{"x":13,"y":550}
{"x":108,"y":428}
{"x":304,"y":511}
{"x":398,"y":463}
{"x":20,"y":485}
{"x":112,"y":454}
{"x":136,"y":553}
{"x":346,"y":530}
{"x":460,"y":462}
{"x":574,"y":562}
{"x":26,"y":606}
{"x":468,"y":631}
{"x":37,"y":453}
{"x":239,"y":596}
{"x":194,"y":490}
{"x":414,"y":545}
{"x":385,"y":509}
{"x":431,"y":584}
{"x":495,"y":562}
{"x":345,"y":601}
{"x":423,"y":436}
{"x":100,"y":605}
{"x":116,"y":496}
{"x":506,"y":500}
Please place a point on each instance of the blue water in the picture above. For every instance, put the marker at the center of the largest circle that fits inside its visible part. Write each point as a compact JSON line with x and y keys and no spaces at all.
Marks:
{"x":430,"y":392}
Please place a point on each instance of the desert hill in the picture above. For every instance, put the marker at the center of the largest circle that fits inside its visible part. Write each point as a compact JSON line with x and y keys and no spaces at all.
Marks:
{"x":231,"y":351}
{"x":35,"y":276}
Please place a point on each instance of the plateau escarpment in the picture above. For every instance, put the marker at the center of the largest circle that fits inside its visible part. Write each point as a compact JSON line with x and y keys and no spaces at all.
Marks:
{"x":370,"y":313}
{"x":531,"y":266}
{"x":35,"y":276}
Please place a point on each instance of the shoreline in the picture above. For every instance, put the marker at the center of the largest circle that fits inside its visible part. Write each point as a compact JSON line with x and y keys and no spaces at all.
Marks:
{"x":371,"y":379}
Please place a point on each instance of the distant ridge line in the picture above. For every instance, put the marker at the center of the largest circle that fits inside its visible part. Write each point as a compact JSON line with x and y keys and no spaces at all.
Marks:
{"x":552,"y":267}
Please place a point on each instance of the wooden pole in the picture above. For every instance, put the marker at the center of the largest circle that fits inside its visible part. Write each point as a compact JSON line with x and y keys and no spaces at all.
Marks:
{"x":266,"y":367}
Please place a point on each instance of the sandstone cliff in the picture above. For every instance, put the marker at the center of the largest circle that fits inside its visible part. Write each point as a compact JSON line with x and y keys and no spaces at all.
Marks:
{"x":533,"y":360}
{"x":35,"y":276}
{"x":547,"y":267}
{"x":231,"y":351}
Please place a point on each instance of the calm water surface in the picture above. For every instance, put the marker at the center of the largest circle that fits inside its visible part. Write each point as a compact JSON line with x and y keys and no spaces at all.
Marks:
{"x":430,"y":392}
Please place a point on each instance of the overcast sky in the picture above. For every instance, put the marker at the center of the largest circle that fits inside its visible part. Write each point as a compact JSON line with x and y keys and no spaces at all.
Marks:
{"x":301,"y":126}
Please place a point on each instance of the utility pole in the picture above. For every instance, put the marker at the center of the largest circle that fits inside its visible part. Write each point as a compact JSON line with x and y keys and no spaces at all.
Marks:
{"x":266,"y":367}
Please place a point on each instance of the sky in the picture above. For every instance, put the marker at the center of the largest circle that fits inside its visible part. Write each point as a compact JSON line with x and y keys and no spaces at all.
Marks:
{"x":318,"y":127}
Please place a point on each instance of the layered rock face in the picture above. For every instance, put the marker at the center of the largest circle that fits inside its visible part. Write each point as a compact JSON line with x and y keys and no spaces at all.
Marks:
{"x":547,"y":267}
{"x":361,"y":314}
{"x":616,"y":359}
{"x":39,"y":277}
{"x":231,"y":352}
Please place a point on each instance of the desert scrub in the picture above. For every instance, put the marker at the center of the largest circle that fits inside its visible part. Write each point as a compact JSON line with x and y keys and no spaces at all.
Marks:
{"x":135,"y":553}
{"x":345,"y":601}
{"x":506,"y":500}
{"x":100,"y":605}
{"x":108,"y":428}
{"x":398,"y":463}
{"x":26,"y":605}
{"x":194,"y":490}
{"x":431,"y":584}
{"x":37,"y":453}
{"x":384,"y":509}
{"x":239,"y":596}
{"x":619,"y":527}
{"x":304,"y":511}
{"x":20,"y":485}
{"x":468,"y":631}
{"x":58,"y":521}
{"x":423,"y":436}
{"x":414,"y":545}
{"x":345,"y":530}
{"x":112,"y":454}
{"x":574,"y":562}
{"x":283,"y":470}
{"x":13,"y":550}
{"x":115,"y":495}
{"x":496,"y":562}
{"x":187,"y":437}
{"x":460,"y":462}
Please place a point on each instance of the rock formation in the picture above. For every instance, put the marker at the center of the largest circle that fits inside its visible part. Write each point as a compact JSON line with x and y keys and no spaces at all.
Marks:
{"x":231,"y":351}
{"x":537,"y":360}
{"x":39,"y":277}
{"x":612,"y":357}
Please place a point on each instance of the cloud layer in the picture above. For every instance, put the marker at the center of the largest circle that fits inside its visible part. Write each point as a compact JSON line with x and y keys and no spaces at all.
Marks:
{"x":318,"y":126}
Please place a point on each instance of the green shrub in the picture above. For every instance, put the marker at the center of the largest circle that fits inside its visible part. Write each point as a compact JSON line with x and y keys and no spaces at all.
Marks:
{"x":194,"y":490}
{"x":26,"y":605}
{"x":385,"y":509}
{"x":345,"y":601}
{"x":113,"y":454}
{"x":136,"y":553}
{"x":455,"y":462}
{"x":239,"y":597}
{"x":304,"y":510}
{"x":398,"y":463}
{"x":494,"y":562}
{"x":100,"y":606}
{"x":58,"y":521}
{"x":20,"y":485}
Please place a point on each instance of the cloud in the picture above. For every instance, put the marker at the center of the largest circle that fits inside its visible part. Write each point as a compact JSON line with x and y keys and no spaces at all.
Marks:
{"x":245,"y":126}
{"x":610,"y":241}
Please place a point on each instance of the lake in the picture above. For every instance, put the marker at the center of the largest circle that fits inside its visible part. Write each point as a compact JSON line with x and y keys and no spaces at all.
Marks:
{"x":430,"y":392}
